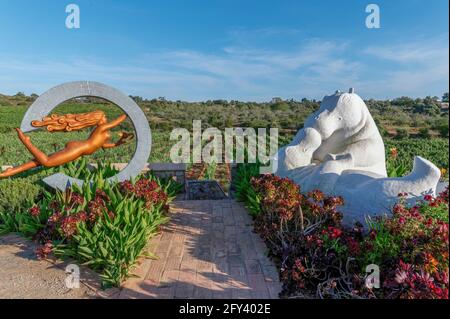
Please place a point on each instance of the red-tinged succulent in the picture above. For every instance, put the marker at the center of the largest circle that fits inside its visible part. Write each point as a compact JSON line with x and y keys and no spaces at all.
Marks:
{"x":316,"y":195}
{"x":100,"y":194}
{"x":412,"y":282}
{"x":55,"y":217}
{"x":76,"y":199}
{"x":54,"y":205}
{"x":354,"y":246}
{"x":332,"y":232}
{"x":444,"y":196}
{"x":145,"y":189}
{"x":44,"y":251}
{"x":96,"y":208}
{"x":304,"y":233}
{"x":126,"y":187}
{"x":69,"y":223}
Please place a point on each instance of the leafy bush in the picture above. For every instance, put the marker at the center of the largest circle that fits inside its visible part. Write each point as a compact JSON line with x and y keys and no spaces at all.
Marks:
{"x":109,"y":225}
{"x":421,"y":232}
{"x":103,"y":225}
{"x":402,"y":133}
{"x":17,"y":195}
{"x":424,"y":132}
{"x":443,"y":130}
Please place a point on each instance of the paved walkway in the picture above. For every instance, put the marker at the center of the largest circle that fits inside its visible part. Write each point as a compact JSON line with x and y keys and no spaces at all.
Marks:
{"x":208,"y":250}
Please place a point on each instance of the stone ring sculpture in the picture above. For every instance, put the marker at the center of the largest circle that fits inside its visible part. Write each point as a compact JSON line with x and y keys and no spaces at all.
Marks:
{"x":99,"y":138}
{"x":340,"y":152}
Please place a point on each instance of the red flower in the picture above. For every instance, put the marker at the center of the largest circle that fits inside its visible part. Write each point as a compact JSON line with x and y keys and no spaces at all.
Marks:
{"x":126,"y":187}
{"x":34,"y":211}
{"x":394,"y":152}
{"x":334,"y":232}
{"x":55,"y":217}
{"x":96,"y":208}
{"x":99,"y":194}
{"x":69,"y":223}
{"x":76,"y":199}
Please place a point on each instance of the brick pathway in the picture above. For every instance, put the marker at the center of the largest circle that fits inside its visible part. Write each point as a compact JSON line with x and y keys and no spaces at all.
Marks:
{"x":208,"y":250}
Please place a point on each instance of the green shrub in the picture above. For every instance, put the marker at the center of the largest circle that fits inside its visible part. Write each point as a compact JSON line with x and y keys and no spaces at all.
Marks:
{"x":443,"y":130}
{"x":103,"y":225}
{"x":27,"y":222}
{"x":384,"y":245}
{"x":280,"y":106}
{"x":424,"y":132}
{"x":394,"y":166}
{"x":114,"y":242}
{"x":395,"y":169}
{"x":17,"y":195}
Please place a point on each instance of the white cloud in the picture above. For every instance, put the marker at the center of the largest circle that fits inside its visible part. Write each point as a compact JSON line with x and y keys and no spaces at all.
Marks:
{"x":418,"y":68}
{"x":311,"y":69}
{"x":424,"y":52}
{"x":232,"y":73}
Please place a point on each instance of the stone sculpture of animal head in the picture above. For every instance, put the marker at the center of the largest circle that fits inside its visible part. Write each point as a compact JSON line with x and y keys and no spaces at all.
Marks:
{"x":341,"y":113}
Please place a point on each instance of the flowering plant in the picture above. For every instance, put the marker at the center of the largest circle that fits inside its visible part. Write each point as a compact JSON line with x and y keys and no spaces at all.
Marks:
{"x":103,"y":225}
{"x":317,"y":256}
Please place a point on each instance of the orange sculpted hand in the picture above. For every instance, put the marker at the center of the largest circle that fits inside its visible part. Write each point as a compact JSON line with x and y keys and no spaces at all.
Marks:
{"x":70,"y":122}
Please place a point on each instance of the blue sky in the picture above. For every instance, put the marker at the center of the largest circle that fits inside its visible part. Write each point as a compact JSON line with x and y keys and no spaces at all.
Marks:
{"x":246,"y":50}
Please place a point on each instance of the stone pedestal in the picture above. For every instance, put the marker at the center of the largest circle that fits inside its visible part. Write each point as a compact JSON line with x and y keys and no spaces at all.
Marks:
{"x":169,"y":170}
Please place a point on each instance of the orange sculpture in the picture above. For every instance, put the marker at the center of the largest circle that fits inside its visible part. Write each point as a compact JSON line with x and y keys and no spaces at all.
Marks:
{"x":99,"y":138}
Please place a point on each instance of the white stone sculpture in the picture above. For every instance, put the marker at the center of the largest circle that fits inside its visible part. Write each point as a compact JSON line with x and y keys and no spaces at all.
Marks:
{"x":340,"y":151}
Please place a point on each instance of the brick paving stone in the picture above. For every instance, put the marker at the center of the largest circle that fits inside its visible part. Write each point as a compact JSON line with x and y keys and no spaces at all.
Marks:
{"x":252,"y":266}
{"x":155,"y":270}
{"x":270,"y":273}
{"x":274,"y":289}
{"x":207,"y":250}
{"x":258,"y":286}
